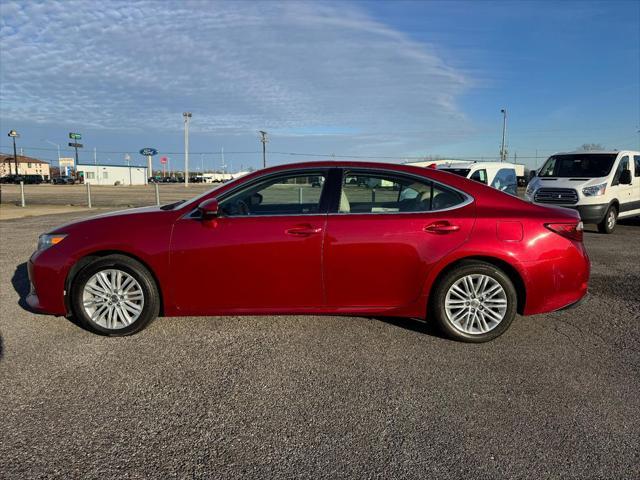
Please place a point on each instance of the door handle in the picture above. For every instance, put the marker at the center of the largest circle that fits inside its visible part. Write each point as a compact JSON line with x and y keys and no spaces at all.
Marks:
{"x":303,"y":230}
{"x":441,"y":227}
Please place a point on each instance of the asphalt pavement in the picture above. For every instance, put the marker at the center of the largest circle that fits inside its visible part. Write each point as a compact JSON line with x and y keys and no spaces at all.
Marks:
{"x":557,"y":396}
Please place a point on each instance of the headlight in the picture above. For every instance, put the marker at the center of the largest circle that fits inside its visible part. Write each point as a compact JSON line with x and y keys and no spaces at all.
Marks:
{"x":48,"y":240}
{"x":530,"y":189}
{"x":594,"y":190}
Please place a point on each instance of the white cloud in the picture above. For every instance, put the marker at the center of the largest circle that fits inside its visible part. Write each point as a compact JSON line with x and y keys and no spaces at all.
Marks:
{"x":239,"y":66}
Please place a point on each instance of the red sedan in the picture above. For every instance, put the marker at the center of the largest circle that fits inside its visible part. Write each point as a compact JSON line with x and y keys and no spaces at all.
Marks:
{"x":319,"y":238}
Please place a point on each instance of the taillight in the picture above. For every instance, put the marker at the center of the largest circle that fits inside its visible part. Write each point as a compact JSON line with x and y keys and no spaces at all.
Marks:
{"x":572,"y":231}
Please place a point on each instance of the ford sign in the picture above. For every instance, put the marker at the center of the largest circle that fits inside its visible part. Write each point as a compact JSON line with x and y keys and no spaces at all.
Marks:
{"x":148,"y":152}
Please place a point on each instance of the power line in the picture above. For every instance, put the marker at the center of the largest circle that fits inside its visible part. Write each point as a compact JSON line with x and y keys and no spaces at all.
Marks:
{"x":314,"y":155}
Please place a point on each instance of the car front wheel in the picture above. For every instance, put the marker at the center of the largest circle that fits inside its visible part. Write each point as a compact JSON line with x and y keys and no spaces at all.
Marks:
{"x":115,"y":296}
{"x":475,"y":302}
{"x":608,"y":223}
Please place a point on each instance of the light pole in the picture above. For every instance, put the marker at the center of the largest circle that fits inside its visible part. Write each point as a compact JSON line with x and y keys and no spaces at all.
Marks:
{"x":503,"y":151}
{"x":264,"y":141}
{"x":13,"y":134}
{"x":187,"y":116}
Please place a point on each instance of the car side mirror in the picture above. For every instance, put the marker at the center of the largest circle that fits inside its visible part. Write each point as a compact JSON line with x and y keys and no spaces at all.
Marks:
{"x":625,"y":177}
{"x":209,"y":209}
{"x":532,"y":173}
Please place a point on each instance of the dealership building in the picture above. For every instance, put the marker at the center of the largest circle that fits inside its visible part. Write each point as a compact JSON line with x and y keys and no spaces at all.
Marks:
{"x":97,"y":174}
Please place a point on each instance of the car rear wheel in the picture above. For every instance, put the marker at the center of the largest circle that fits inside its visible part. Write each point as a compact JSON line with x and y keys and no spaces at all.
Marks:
{"x":608,"y":223}
{"x":475,"y":302}
{"x":115,"y":296}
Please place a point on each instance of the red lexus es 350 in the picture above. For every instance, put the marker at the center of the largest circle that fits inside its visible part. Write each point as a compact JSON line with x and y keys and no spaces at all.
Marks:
{"x":344,"y":238}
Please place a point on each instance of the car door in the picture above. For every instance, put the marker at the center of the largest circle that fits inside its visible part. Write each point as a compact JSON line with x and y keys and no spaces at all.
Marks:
{"x":262,"y":252}
{"x":636,"y":186}
{"x":386,"y":234}
{"x":623,"y":192}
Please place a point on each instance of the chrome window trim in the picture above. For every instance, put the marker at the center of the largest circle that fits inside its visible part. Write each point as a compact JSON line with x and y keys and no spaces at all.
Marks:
{"x":468,"y":198}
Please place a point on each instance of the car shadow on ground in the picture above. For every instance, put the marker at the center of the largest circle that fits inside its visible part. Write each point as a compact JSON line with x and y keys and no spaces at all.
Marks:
{"x":631,"y":222}
{"x":20,"y":282}
{"x":413,"y":325}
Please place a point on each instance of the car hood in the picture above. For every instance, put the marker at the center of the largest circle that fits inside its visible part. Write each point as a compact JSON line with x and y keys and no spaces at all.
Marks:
{"x":566,"y":182}
{"x":128,"y":214}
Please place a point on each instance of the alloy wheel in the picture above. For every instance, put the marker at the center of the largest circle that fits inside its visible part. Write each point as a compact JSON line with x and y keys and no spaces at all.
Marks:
{"x":476,"y":304}
{"x":112,"y":299}
{"x":611,"y":219}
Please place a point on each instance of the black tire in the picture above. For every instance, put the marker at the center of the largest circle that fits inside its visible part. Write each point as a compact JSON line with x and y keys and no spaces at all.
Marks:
{"x":610,"y":220}
{"x":472,"y":267}
{"x":135,"y":269}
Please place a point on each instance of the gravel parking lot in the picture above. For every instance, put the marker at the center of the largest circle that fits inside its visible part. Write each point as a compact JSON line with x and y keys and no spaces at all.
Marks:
{"x":557,"y":396}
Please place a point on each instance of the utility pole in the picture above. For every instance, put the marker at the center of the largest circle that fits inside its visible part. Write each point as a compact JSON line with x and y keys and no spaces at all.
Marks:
{"x":13,"y":134}
{"x":264,"y":141}
{"x":95,"y":163}
{"x":503,"y":151}
{"x":127,"y":157}
{"x":187,"y":116}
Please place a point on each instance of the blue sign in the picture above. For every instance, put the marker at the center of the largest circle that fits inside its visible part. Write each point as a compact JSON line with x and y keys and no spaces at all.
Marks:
{"x":148,"y":152}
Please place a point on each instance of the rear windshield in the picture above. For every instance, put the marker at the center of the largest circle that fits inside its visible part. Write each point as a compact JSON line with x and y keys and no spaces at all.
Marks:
{"x":463,"y":172}
{"x":584,"y":165}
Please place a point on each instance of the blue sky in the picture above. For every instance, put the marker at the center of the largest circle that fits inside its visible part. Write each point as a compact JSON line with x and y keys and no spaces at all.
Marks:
{"x":363,"y":79}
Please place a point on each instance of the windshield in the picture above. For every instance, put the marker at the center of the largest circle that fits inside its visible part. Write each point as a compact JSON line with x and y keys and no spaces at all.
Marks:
{"x":463,"y":172}
{"x":584,"y":165}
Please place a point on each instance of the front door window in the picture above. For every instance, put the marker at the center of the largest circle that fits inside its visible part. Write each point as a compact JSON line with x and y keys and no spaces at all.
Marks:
{"x":292,"y":194}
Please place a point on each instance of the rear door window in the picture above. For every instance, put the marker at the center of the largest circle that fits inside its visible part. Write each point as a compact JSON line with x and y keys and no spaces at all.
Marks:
{"x":636,"y":164}
{"x":383,"y":192}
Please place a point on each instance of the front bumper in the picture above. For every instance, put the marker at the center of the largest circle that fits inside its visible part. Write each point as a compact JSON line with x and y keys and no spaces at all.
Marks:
{"x":47,"y":287}
{"x":588,"y":213}
{"x":592,"y":213}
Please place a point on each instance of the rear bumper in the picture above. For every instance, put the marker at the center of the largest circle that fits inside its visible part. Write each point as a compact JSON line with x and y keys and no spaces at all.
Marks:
{"x":575,"y":304}
{"x":557,"y":283}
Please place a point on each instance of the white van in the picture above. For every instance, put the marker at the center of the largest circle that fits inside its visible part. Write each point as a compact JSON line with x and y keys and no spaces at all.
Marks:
{"x":500,"y":175}
{"x":602,"y":186}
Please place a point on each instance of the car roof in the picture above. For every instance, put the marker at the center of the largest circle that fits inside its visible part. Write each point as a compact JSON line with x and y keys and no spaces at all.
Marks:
{"x":588,"y":152}
{"x":442,"y":176}
{"x":477,"y":164}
